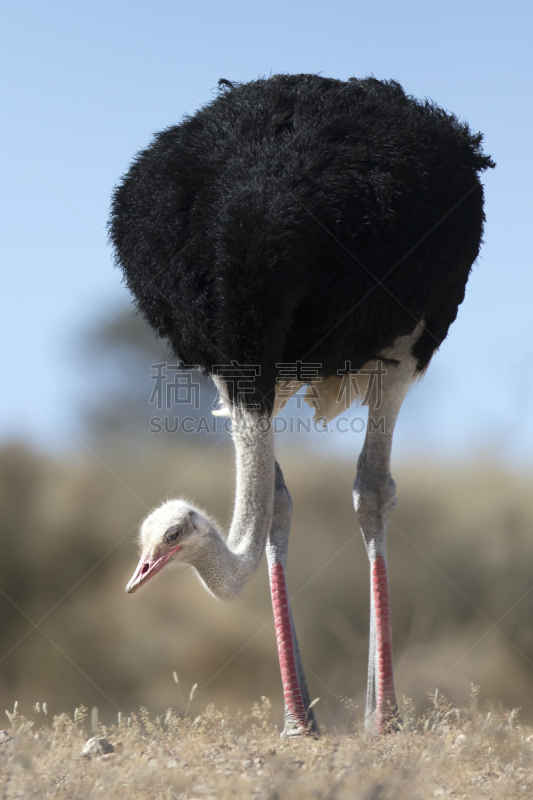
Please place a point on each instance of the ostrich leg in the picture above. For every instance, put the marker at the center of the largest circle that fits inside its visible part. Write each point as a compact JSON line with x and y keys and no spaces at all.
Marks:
{"x":374,"y":496}
{"x":299,"y":718}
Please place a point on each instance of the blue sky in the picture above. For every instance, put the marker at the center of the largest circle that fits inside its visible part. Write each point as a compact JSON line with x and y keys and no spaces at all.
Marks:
{"x":85,"y":86}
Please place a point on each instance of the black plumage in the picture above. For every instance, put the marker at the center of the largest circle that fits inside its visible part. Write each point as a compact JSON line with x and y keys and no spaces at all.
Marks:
{"x":302,"y":219}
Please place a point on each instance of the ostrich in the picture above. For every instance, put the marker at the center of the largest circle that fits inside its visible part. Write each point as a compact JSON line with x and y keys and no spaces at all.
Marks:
{"x":295,"y":220}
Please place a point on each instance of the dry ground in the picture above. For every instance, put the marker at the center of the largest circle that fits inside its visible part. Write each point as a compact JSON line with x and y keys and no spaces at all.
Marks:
{"x":449,"y":752}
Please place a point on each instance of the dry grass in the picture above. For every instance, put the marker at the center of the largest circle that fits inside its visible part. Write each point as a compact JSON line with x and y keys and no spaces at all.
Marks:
{"x":448,"y":752}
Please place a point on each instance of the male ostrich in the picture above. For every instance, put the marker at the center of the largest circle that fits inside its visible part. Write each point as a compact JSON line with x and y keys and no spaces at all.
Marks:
{"x":293,"y":220}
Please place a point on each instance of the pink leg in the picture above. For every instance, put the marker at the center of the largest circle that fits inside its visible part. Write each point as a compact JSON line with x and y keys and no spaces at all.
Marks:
{"x":299,"y":717}
{"x":372,"y":511}
{"x":385,"y":696}
{"x":294,"y":704}
{"x":374,"y":496}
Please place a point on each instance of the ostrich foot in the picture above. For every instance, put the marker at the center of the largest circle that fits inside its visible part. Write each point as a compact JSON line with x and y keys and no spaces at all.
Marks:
{"x":294,"y":728}
{"x":388,"y":721}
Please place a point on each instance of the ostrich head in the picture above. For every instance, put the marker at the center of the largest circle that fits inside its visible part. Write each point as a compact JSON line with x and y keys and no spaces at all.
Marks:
{"x":175,"y":531}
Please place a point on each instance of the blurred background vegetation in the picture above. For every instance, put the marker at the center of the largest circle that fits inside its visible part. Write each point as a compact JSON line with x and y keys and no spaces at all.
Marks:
{"x":459,"y":556}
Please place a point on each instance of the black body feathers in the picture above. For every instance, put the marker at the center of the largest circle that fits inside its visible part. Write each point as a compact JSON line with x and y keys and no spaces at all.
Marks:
{"x":301,"y":218}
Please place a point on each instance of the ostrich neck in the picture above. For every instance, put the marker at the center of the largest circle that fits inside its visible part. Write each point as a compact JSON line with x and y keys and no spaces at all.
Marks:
{"x":224,"y":567}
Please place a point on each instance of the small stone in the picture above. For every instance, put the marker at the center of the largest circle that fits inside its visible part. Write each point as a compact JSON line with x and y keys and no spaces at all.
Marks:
{"x":97,"y":746}
{"x":5,"y":737}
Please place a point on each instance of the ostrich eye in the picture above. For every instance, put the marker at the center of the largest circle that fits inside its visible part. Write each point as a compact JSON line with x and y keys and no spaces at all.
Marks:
{"x":172,"y":534}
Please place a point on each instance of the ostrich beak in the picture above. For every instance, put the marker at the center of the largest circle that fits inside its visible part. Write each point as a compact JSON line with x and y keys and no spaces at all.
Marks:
{"x":148,"y":566}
